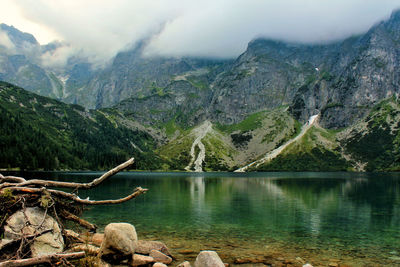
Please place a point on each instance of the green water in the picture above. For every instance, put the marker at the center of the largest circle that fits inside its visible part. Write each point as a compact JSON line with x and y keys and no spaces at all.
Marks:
{"x":350,"y":217}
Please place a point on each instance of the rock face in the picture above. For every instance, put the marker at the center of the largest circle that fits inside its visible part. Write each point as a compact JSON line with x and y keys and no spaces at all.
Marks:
{"x":208,"y":258}
{"x":34,"y":221}
{"x":119,"y":242}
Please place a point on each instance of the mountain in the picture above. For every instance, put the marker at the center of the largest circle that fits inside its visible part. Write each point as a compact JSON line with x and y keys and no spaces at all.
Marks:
{"x":341,"y":80}
{"x":24,"y":62}
{"x":254,"y":111}
{"x":41,"y":133}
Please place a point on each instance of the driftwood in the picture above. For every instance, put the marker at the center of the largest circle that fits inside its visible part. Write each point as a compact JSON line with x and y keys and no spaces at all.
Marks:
{"x":138,"y":191}
{"x":18,"y":193}
{"x":95,"y":182}
{"x":54,"y":258}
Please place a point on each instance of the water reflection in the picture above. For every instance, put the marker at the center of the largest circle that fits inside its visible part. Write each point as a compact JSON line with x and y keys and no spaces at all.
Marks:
{"x":325,"y":210}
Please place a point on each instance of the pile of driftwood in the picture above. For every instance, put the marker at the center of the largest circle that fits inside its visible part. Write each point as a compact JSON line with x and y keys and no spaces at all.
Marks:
{"x":18,"y":194}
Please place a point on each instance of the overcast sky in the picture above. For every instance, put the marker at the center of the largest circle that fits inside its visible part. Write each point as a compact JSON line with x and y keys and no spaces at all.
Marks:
{"x":211,"y":28}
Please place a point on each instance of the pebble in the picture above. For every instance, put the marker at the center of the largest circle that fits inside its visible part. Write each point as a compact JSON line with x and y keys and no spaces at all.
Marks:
{"x":300,"y":260}
{"x":186,"y":251}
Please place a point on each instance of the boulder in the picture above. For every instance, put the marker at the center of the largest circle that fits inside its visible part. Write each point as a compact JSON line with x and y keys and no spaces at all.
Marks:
{"x":97,"y":239}
{"x":119,"y":242}
{"x":159,"y":264}
{"x":138,"y":260}
{"x":208,"y":258}
{"x":34,"y":221}
{"x":185,"y":264}
{"x":144,"y":247}
{"x":160,"y":257}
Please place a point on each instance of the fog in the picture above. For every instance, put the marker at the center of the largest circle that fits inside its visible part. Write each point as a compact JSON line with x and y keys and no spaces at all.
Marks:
{"x":99,"y":29}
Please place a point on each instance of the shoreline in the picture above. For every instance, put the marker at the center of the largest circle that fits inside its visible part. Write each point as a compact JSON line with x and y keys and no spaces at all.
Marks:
{"x":243,"y":253}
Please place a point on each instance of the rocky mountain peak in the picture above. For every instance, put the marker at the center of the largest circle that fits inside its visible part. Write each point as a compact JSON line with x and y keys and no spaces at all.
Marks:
{"x":17,"y":37}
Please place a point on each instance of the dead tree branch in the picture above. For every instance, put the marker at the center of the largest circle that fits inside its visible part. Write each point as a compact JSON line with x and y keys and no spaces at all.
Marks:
{"x":71,"y":217}
{"x":138,"y":191}
{"x":95,"y":182}
{"x":43,"y":259}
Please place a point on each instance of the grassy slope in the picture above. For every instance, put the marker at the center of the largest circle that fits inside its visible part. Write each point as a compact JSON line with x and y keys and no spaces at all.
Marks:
{"x":229,"y":146}
{"x":317,"y":150}
{"x":376,"y":139}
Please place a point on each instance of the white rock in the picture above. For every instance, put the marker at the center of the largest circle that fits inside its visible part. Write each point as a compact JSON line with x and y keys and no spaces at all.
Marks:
{"x":185,"y":264}
{"x":208,"y":258}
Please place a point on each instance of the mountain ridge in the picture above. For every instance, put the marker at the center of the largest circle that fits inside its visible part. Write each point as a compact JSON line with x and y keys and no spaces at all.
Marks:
{"x":254,"y":103}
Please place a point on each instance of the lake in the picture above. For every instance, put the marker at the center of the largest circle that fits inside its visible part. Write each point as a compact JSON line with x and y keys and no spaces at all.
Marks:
{"x":347,"y":218}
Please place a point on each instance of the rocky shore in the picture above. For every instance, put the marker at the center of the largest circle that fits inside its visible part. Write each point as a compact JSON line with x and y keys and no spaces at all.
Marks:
{"x":119,"y":246}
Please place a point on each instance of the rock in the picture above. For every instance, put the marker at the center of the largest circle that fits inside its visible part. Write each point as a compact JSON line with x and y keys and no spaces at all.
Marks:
{"x":300,"y":260}
{"x":184,"y":264}
{"x":248,"y":260}
{"x":4,"y":242}
{"x":34,"y":221}
{"x":160,"y":257}
{"x":140,"y":260}
{"x":119,"y":242}
{"x":144,"y":247}
{"x":333,"y":264}
{"x":307,"y":265}
{"x":394,"y":258}
{"x":97,"y":239}
{"x":208,"y":258}
{"x":159,"y":264}
{"x":186,"y":251}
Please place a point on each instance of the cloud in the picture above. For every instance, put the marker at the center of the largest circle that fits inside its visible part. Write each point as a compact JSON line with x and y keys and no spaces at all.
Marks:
{"x":6,"y":43}
{"x":58,"y":57}
{"x":99,"y":29}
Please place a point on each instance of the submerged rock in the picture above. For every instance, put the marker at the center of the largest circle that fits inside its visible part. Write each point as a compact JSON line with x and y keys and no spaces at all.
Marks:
{"x":159,"y":264}
{"x":34,"y":221}
{"x":119,"y":242}
{"x":208,"y":258}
